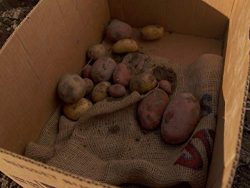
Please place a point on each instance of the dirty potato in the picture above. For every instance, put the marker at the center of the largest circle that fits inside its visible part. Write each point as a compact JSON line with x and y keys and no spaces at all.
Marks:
{"x":100,"y":91}
{"x":152,"y":32}
{"x":74,"y":111}
{"x":96,"y":51}
{"x":71,"y":88}
{"x":122,"y":74}
{"x":117,"y":90}
{"x":125,"y":46}
{"x":166,"y":86}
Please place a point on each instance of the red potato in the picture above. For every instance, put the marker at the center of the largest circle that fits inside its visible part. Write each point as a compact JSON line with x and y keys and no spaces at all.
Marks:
{"x":102,"y":69}
{"x":166,"y":86}
{"x":117,"y":30}
{"x":151,"y":109}
{"x":117,"y":90}
{"x":180,"y":118}
{"x":71,"y":88}
{"x":86,"y":72}
{"x":122,"y":74}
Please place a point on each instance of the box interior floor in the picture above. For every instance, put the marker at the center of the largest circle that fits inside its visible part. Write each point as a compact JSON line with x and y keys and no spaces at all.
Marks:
{"x":53,"y":39}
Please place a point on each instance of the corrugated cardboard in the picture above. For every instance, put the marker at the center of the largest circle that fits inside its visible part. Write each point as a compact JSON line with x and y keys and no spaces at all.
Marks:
{"x":53,"y":39}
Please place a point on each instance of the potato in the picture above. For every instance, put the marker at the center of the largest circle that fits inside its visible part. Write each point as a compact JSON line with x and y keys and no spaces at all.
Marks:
{"x":96,"y":51}
{"x":117,"y":90}
{"x":151,"y":109}
{"x":102,"y":69}
{"x":180,"y":118}
{"x":100,"y":91}
{"x":143,"y":82}
{"x":118,"y":30}
{"x":74,"y":111}
{"x":89,"y":85}
{"x":71,"y":88}
{"x":125,"y":46}
{"x":122,"y":74}
{"x":166,"y":86}
{"x":152,"y":32}
{"x":86,"y":72}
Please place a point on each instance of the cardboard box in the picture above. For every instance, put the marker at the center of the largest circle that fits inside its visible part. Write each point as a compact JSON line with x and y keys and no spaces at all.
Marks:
{"x":52,"y":40}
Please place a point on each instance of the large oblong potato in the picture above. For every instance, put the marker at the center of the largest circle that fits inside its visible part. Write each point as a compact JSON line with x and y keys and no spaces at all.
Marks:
{"x":151,"y":109}
{"x":125,"y":46}
{"x":152,"y":32}
{"x":71,"y":88}
{"x":100,"y":91}
{"x":74,"y":111}
{"x":180,"y":118}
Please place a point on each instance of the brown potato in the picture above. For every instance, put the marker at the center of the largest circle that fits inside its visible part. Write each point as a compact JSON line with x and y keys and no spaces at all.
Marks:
{"x":122,"y":74}
{"x":89,"y":85}
{"x":180,"y":118}
{"x":86,"y":72}
{"x":74,"y":111}
{"x":96,"y":51}
{"x":71,"y":88}
{"x":151,"y":109}
{"x":152,"y":32}
{"x":102,"y":69}
{"x":117,"y":90}
{"x":125,"y":46}
{"x":118,"y":30}
{"x":166,"y":86}
{"x":100,"y":91}
{"x":143,"y":82}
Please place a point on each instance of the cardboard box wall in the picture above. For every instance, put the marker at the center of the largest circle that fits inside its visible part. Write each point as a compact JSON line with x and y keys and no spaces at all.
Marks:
{"x":51,"y":41}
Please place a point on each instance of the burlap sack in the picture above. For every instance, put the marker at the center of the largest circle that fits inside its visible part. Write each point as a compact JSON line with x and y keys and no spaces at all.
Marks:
{"x":107,"y":143}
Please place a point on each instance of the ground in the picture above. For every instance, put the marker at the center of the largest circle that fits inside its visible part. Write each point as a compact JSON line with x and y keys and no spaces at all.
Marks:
{"x":12,"y":13}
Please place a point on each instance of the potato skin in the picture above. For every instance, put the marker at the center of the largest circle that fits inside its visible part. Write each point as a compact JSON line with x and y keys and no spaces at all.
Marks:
{"x":117,"y":90}
{"x":151,"y":109}
{"x":125,"y":46}
{"x":71,"y":88}
{"x":74,"y":111}
{"x":152,"y":32}
{"x":180,"y":118}
{"x":166,"y":86}
{"x":143,"y":82}
{"x":102,"y":69}
{"x":89,"y":85}
{"x":100,"y":91}
{"x":96,"y":51}
{"x":118,"y":30}
{"x":122,"y":74}
{"x":86,"y":72}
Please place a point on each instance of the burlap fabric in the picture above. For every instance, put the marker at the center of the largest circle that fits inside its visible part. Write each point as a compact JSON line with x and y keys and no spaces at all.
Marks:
{"x":108,"y":145}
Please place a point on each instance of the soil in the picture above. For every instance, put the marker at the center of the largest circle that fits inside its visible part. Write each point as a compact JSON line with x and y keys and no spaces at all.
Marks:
{"x":12,"y":12}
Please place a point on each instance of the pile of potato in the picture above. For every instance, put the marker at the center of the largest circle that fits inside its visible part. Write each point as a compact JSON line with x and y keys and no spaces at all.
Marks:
{"x":105,"y":77}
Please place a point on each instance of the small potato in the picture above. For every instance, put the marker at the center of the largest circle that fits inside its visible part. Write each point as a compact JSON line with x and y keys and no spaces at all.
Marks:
{"x":100,"y":91}
{"x":125,"y":46}
{"x":180,"y":118}
{"x":102,"y":69}
{"x":86,"y":72}
{"x":151,"y":109}
{"x":122,"y":74}
{"x":152,"y":32}
{"x":117,"y":90}
{"x":89,"y":85}
{"x":118,"y":30}
{"x":97,"y":51}
{"x":166,"y":86}
{"x":74,"y":111}
{"x":71,"y":88}
{"x":143,"y":82}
